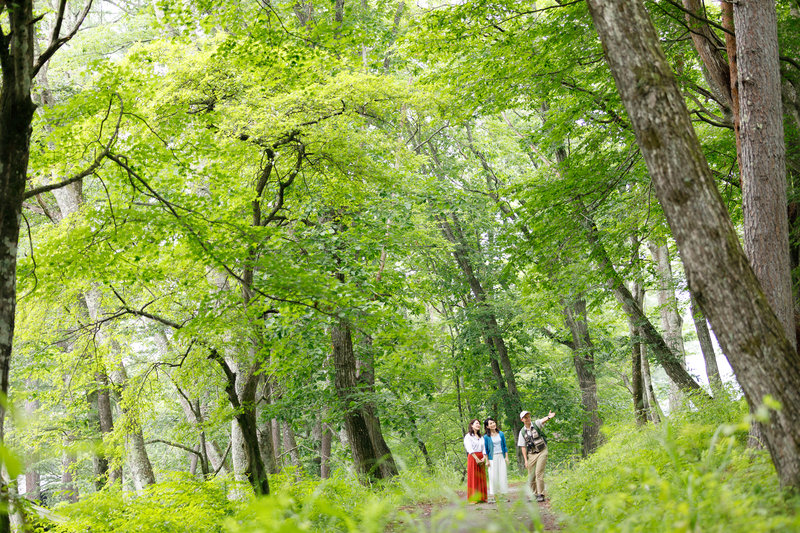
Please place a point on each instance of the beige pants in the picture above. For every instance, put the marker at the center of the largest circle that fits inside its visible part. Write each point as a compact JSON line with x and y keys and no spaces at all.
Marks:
{"x":536,"y":464}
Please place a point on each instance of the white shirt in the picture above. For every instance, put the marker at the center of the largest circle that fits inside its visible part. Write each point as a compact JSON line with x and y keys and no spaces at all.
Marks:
{"x":474,"y":444}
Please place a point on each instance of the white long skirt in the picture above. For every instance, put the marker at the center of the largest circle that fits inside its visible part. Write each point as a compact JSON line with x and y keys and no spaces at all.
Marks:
{"x":498,"y":476}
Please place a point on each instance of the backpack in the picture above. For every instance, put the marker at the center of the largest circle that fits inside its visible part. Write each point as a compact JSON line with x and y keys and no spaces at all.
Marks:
{"x":534,"y":440}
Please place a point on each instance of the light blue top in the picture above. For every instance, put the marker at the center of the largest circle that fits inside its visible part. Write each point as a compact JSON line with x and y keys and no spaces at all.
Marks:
{"x":487,"y":440}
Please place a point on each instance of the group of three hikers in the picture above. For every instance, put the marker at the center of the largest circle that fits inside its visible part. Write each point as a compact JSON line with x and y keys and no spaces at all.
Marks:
{"x":490,"y":450}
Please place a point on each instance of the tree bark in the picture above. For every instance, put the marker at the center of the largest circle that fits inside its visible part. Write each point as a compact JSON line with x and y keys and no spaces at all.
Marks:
{"x":707,"y":44}
{"x":68,"y":488}
{"x":290,"y":444}
{"x":583,"y":359}
{"x":326,"y":439}
{"x":266,"y":444}
{"x":16,"y":114}
{"x":637,"y":379}
{"x":729,"y":293}
{"x":242,"y":399}
{"x":346,"y":386}
{"x":653,"y":407}
{"x":277,"y":441}
{"x":671,"y":321}
{"x":366,"y":377}
{"x":138,"y":460}
{"x":763,"y":155}
{"x":733,"y":69}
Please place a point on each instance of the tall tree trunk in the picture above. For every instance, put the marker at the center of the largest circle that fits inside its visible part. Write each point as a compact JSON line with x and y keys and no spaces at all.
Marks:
{"x":16,"y":114}
{"x":68,"y":488}
{"x":762,"y":162}
{"x":763,"y":156}
{"x":326,"y":439}
{"x":244,"y":431}
{"x":707,"y":44}
{"x":733,"y":69}
{"x":106,"y":424}
{"x":366,"y":377}
{"x":583,"y":359}
{"x":729,"y":293}
{"x":671,"y":321}
{"x":69,"y":200}
{"x":266,"y":444}
{"x":653,"y":407}
{"x":637,"y":379}
{"x":33,"y":486}
{"x":138,"y":460}
{"x":290,"y":443}
{"x":345,"y":384}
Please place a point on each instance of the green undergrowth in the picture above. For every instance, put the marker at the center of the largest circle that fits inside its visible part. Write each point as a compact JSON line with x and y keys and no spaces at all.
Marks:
{"x":691,"y":474}
{"x":183,"y":503}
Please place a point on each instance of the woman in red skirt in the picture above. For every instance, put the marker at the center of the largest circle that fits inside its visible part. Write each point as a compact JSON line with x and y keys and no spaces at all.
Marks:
{"x":476,"y":463}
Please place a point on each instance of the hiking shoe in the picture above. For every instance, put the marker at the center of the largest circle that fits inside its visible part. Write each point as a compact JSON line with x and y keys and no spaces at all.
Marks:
{"x":540,"y":497}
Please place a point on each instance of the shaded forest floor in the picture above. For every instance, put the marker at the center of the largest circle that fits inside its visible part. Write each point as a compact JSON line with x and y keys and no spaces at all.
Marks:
{"x":516,"y":514}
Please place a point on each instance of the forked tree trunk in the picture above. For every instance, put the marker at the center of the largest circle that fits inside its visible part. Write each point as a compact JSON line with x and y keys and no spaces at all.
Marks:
{"x":244,"y":430}
{"x":727,"y":290}
{"x":366,"y":377}
{"x":346,"y":386}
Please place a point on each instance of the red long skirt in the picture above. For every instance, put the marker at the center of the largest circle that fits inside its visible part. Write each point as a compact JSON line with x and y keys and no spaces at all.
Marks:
{"x":476,"y":479}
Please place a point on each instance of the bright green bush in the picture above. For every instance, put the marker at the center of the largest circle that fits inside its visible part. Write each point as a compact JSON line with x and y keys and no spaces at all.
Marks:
{"x":182,"y":503}
{"x":340,"y":503}
{"x":681,"y":476}
{"x":298,"y":503}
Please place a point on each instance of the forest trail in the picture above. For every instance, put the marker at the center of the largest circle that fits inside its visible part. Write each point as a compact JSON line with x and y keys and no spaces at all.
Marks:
{"x":517,"y":514}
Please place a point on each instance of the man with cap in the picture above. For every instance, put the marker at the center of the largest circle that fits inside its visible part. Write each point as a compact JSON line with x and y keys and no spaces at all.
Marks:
{"x":534,"y":450}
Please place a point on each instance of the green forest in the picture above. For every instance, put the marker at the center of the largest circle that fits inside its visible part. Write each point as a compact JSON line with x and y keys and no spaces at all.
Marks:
{"x":283,"y":265}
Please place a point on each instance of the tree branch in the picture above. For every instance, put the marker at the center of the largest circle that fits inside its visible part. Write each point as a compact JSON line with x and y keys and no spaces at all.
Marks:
{"x":175,"y":445}
{"x":553,"y":337}
{"x":57,"y":42}
{"x":95,"y":164}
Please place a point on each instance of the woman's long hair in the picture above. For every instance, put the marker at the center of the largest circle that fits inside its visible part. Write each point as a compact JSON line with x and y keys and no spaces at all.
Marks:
{"x":469,"y":427}
{"x":486,"y":425}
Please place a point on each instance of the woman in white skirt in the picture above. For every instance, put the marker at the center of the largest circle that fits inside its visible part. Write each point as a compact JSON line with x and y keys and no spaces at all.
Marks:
{"x":497,"y":454}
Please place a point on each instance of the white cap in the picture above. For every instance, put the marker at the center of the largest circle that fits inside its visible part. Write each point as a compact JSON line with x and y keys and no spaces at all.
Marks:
{"x":523,"y":413}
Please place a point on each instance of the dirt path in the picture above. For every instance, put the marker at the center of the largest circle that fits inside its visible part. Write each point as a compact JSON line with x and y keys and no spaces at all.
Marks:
{"x":517,"y":515}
